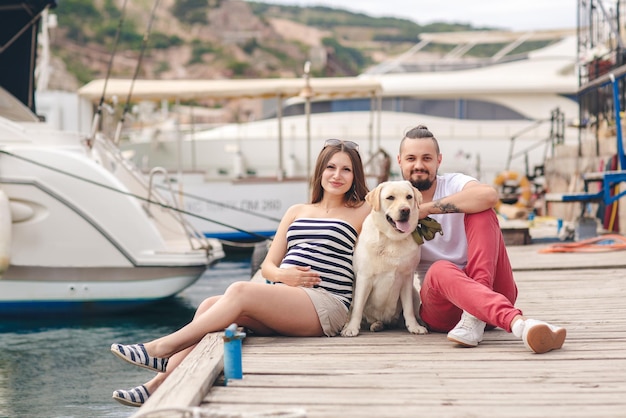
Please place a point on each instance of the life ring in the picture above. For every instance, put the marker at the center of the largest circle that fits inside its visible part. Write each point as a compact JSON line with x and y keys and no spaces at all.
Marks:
{"x":514,"y":189}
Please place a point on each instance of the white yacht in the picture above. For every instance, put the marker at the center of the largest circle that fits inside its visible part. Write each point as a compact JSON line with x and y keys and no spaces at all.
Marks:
{"x":80,"y":230}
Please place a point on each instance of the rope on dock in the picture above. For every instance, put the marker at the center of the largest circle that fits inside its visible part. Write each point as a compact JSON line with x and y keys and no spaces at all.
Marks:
{"x":602,"y":243}
{"x":198,"y":412}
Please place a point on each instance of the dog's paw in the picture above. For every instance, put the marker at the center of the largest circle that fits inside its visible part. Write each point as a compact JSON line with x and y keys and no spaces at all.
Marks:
{"x":349,"y":331}
{"x":417,"y":329}
{"x":377,"y":326}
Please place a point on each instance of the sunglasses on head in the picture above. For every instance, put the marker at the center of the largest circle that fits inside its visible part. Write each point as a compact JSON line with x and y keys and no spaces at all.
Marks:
{"x":339,"y":142}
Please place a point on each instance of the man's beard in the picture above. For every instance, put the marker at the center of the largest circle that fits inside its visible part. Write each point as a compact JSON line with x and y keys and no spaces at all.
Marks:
{"x":422,"y":185}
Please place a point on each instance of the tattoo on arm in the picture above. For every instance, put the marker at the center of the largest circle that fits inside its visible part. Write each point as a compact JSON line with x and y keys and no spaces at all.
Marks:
{"x":446,"y":207}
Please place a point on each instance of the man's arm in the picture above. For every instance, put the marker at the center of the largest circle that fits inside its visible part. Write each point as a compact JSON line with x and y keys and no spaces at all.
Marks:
{"x":475,"y":197}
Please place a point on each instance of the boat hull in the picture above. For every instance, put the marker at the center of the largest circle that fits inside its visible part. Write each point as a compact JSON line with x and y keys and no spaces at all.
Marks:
{"x":85,"y":291}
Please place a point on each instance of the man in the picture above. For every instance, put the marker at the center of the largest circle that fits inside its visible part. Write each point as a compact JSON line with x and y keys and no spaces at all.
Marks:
{"x":466,"y":275}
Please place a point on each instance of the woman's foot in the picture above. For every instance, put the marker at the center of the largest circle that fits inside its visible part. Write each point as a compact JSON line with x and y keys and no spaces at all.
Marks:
{"x":137,"y":355}
{"x":132,"y":397}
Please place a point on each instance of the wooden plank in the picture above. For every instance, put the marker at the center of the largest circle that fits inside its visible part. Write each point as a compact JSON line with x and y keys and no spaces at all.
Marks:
{"x":417,"y":408}
{"x":469,"y":393}
{"x":517,"y":376}
{"x":528,"y":258}
{"x":190,"y":381}
{"x":422,"y":406}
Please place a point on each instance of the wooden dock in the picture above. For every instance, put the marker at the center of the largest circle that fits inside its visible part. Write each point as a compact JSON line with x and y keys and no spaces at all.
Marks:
{"x":395,"y":374}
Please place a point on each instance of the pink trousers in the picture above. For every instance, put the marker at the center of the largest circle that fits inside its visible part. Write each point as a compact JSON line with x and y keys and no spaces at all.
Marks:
{"x":485,"y":288}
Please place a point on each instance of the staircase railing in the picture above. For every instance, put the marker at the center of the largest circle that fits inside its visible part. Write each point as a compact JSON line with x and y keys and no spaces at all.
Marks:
{"x":556,"y":137}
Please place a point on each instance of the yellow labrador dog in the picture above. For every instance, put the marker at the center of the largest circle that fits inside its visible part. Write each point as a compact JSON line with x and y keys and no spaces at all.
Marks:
{"x":385,"y":259}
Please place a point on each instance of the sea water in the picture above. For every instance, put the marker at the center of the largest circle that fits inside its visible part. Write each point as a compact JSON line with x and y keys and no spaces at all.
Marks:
{"x":53,"y":368}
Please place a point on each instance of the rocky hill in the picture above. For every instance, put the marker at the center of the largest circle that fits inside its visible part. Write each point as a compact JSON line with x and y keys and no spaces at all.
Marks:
{"x":219,"y":39}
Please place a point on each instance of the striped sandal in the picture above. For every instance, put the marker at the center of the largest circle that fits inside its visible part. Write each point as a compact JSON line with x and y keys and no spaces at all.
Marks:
{"x":132,"y":397}
{"x":137,"y":355}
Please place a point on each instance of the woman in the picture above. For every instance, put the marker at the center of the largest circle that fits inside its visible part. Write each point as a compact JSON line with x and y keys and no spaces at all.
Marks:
{"x":310,"y":260}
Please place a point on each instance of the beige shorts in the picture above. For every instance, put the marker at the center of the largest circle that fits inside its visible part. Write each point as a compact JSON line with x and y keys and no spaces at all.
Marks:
{"x":332,"y":312}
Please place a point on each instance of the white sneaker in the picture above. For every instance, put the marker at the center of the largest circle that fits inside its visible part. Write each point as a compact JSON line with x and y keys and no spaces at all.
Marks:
{"x":541,"y":337}
{"x":468,"y":332}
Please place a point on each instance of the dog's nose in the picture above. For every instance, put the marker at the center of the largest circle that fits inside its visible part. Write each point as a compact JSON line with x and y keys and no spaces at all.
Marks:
{"x":404,"y":214}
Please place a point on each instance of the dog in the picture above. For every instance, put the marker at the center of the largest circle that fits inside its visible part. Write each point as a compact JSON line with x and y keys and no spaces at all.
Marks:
{"x":385,"y":259}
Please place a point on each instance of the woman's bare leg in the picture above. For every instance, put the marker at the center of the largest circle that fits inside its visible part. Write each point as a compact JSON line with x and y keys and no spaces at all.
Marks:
{"x":260,"y":307}
{"x":264,"y":309}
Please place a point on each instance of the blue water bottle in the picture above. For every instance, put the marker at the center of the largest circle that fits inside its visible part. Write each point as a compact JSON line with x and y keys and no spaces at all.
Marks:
{"x":232,"y":352}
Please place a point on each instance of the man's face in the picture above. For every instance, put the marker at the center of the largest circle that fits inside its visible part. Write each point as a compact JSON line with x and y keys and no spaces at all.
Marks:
{"x":419,"y":162}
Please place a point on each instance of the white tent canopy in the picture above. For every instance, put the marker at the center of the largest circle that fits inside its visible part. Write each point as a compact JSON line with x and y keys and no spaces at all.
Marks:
{"x":280,"y":88}
{"x":230,"y":89}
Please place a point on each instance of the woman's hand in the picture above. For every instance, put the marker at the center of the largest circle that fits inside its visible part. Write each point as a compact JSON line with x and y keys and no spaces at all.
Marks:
{"x":299,"y":277}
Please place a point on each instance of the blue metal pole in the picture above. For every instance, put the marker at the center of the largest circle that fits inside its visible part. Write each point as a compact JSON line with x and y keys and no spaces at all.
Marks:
{"x":618,"y":123}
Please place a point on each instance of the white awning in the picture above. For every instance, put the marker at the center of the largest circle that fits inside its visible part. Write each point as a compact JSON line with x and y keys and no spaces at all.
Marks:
{"x":494,"y":37}
{"x":230,"y":89}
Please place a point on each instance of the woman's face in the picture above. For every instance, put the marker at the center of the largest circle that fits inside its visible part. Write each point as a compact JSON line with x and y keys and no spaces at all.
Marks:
{"x":338,"y":174}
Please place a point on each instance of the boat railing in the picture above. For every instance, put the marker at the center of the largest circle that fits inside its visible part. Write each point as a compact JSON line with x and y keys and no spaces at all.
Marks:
{"x":195,"y":238}
{"x":190,"y":231}
{"x":454,"y":65}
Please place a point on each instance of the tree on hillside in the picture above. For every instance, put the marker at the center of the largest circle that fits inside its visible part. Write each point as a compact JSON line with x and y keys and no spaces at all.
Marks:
{"x":191,"y":11}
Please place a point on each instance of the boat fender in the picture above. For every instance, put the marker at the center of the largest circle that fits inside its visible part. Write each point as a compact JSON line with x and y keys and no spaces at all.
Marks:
{"x":525,"y":193}
{"x":5,"y":232}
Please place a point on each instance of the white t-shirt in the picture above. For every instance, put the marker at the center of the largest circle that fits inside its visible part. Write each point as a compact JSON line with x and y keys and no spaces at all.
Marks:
{"x":452,"y":245}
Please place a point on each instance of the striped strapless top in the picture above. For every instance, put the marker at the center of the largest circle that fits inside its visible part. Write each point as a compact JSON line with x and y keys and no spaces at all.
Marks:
{"x":327,"y":245}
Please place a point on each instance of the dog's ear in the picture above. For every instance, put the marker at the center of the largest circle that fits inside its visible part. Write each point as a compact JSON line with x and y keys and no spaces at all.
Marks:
{"x":373,"y":197}
{"x":417,"y":194}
